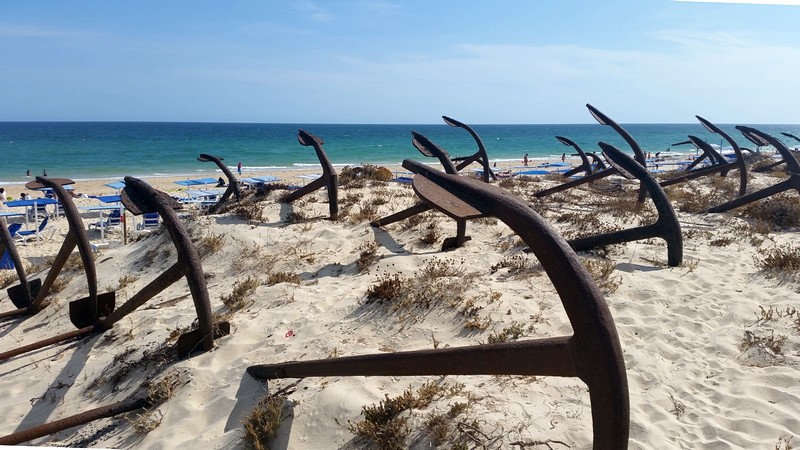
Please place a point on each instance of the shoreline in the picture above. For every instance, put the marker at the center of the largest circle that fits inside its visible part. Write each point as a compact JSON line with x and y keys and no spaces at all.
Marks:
{"x":256,"y":170}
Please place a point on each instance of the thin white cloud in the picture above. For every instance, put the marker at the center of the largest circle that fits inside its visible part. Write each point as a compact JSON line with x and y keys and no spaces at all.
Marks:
{"x":13,"y":30}
{"x":315,"y":12}
{"x":748,"y":2}
{"x":381,"y":8}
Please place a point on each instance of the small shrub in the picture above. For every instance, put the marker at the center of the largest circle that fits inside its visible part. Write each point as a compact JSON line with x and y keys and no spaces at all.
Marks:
{"x":283,"y":277}
{"x":211,"y":243}
{"x":264,"y":189}
{"x":7,"y":277}
{"x":517,"y":265}
{"x":689,"y":197}
{"x":514,"y":332}
{"x":350,"y":199}
{"x":158,"y":392}
{"x":584,"y":224}
{"x":249,"y":211}
{"x":772,"y":343}
{"x":439,"y":282}
{"x":412,"y":221}
{"x":368,"y":256}
{"x":242,"y":289}
{"x":296,"y":217}
{"x":722,"y":242}
{"x":125,"y":280}
{"x":382,"y":424}
{"x":779,"y":260}
{"x":780,"y":211}
{"x":378,"y":200}
{"x":263,"y":423}
{"x":602,"y":271}
{"x":350,"y":175}
{"x":366,"y":213}
{"x":388,"y":288}
{"x":431,"y":233}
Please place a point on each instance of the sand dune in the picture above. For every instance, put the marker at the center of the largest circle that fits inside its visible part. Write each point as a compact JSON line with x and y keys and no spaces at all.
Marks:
{"x":702,"y":372}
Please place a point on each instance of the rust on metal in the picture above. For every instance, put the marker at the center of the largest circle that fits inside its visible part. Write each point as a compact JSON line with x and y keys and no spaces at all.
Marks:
{"x":740,"y":163}
{"x":74,"y":421}
{"x":665,"y":227}
{"x":709,"y":154}
{"x":22,"y":294}
{"x":768,"y":167}
{"x":592,"y":353}
{"x":585,"y":165}
{"x":428,"y":148}
{"x":598,"y":162}
{"x":792,"y":166}
{"x":480,"y":156}
{"x":328,"y":180}
{"x":233,"y":183}
{"x":87,"y":310}
{"x":84,"y":313}
{"x":637,"y":152}
{"x":139,"y":197}
{"x":718,"y":164}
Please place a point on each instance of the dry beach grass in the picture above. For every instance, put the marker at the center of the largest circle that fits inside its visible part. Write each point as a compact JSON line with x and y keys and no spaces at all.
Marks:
{"x":712,"y":347}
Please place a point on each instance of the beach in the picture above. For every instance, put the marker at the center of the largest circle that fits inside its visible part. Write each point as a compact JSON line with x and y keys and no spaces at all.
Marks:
{"x":711,"y":346}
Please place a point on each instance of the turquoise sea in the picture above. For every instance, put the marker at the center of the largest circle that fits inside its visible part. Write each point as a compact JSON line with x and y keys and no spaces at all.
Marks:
{"x":111,"y":150}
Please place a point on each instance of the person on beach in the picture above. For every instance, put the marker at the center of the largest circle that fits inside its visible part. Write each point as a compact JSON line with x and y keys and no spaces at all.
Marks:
{"x":44,"y":173}
{"x":220,"y":182}
{"x":239,"y":168}
{"x":28,"y":173}
{"x":563,"y":157}
{"x":3,"y":197}
{"x":525,"y":160}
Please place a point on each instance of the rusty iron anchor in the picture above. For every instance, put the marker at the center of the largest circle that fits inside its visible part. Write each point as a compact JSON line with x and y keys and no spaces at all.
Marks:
{"x":102,"y":412}
{"x":739,"y":163}
{"x":23,"y":294}
{"x":637,"y":152}
{"x":139,"y":197}
{"x":709,"y":153}
{"x":328,"y":180}
{"x":719,"y":164}
{"x":792,"y":166}
{"x":429,"y":149}
{"x":84,"y":312}
{"x":233,"y":184}
{"x":592,"y":353}
{"x":665,"y":227}
{"x":480,"y":156}
{"x":585,"y":165}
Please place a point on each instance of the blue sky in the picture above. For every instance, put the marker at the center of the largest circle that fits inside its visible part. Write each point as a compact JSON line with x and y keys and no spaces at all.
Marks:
{"x":399,"y":61}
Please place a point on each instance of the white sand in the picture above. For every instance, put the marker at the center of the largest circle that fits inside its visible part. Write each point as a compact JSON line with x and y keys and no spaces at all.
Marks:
{"x":691,"y":386}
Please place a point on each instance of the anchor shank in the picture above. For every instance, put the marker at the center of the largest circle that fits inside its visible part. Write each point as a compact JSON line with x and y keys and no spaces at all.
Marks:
{"x":571,"y":184}
{"x":61,"y":258}
{"x":307,"y":189}
{"x":550,"y":356}
{"x":749,"y":198}
{"x":155,"y":287}
{"x":402,"y":215}
{"x":73,"y":421}
{"x":44,"y":343}
{"x":616,"y":237}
